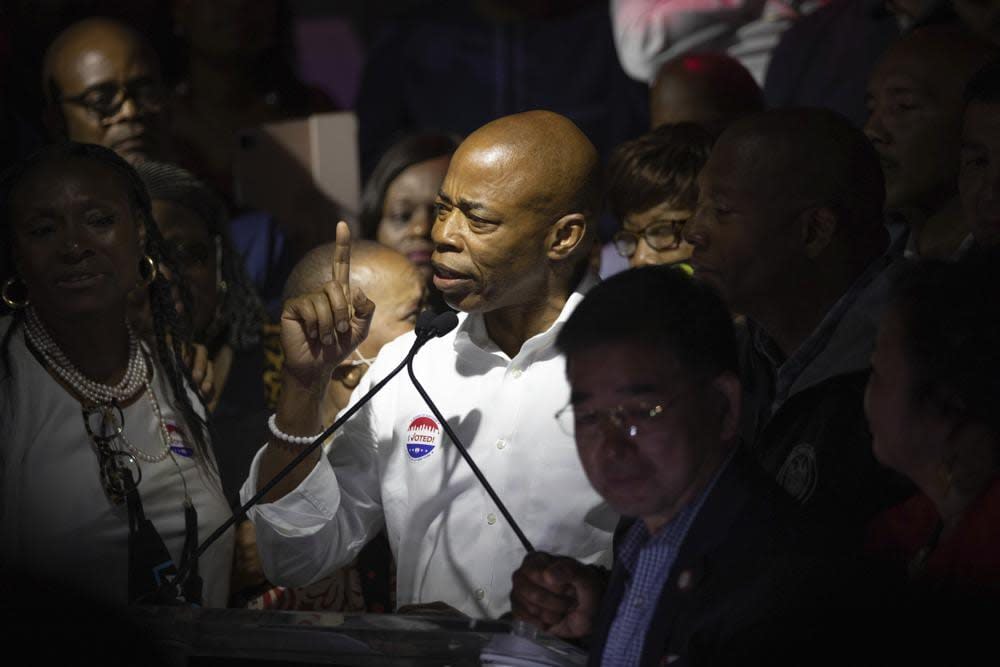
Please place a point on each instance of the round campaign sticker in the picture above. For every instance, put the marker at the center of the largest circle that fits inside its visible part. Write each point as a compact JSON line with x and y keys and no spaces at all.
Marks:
{"x":178,"y":441}
{"x":423,"y":435}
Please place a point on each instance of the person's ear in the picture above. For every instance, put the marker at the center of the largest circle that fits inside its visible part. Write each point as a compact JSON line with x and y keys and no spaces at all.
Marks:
{"x":141,"y":230}
{"x":818,"y":227}
{"x":566,"y":236}
{"x":730,"y":392}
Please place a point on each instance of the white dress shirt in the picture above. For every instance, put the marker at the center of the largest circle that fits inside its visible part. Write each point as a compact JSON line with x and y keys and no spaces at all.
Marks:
{"x":392,"y":465}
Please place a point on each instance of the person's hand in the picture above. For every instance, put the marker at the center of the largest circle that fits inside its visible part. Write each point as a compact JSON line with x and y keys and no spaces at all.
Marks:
{"x":320,"y":330}
{"x":202,"y":370}
{"x":248,"y":572}
{"x":559,"y":595}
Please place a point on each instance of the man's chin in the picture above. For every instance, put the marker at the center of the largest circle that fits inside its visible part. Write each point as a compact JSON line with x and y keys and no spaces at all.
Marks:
{"x":627,"y":499}
{"x":463,"y":301}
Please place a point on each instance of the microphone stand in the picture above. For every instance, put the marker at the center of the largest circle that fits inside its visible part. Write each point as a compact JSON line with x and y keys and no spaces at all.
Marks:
{"x":458,"y":443}
{"x":425,"y":331}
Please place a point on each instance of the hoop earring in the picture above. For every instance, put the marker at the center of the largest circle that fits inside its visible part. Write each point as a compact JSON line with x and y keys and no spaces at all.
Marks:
{"x":14,"y":304}
{"x":151,"y":271}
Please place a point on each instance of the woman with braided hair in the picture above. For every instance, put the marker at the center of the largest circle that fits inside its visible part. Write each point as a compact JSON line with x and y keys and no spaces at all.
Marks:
{"x":226,"y":316}
{"x":225,"y":312}
{"x":108,"y":478}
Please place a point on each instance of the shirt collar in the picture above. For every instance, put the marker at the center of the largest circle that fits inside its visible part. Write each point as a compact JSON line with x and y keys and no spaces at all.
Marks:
{"x":787,"y":370}
{"x":472,"y":336}
{"x":672,"y":535}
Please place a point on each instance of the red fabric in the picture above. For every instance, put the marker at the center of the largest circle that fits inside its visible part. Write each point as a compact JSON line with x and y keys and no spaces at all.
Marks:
{"x":967,"y":559}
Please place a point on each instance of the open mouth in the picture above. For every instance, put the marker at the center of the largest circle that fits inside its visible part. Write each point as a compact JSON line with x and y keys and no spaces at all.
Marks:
{"x":131,"y":143}
{"x":446,"y":279}
{"x":79,"y":280}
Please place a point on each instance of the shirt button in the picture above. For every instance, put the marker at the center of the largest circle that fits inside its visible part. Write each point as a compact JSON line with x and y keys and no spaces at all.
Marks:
{"x":639,"y":601}
{"x":517,"y":373}
{"x":480,"y":593}
{"x":501,"y":444}
{"x":491,"y":518}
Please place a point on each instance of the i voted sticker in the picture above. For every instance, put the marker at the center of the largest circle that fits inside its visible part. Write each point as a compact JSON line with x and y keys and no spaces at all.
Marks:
{"x":178,"y":441}
{"x":423,"y":435}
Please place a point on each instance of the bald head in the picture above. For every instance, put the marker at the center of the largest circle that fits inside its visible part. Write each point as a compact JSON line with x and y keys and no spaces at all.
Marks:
{"x":85,"y":72}
{"x":810,"y":156}
{"x":789,"y":213}
{"x":393,"y":283}
{"x":915,"y":100}
{"x":368,"y":260}
{"x":544,"y":155}
{"x":942,"y":57}
{"x":711,"y":89}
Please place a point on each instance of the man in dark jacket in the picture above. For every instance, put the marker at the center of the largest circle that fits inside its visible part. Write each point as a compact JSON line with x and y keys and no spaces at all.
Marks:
{"x":711,"y":559}
{"x":789,"y":229}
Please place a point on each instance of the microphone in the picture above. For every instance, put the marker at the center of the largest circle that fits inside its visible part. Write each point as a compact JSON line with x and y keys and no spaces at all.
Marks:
{"x":441,"y":325}
{"x":429,"y":325}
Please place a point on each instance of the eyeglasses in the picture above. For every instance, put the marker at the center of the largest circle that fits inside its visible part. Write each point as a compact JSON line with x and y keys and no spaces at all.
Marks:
{"x":106,"y":99}
{"x":634,"y":419}
{"x":659,"y":236}
{"x":104,"y":424}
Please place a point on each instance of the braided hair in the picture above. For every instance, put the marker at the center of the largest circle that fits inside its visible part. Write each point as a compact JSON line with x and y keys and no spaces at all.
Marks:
{"x":241,"y":316}
{"x":171,"y":331}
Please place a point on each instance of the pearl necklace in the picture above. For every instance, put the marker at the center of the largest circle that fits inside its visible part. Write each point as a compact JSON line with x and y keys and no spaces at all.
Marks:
{"x":136,"y":377}
{"x":95,"y":392}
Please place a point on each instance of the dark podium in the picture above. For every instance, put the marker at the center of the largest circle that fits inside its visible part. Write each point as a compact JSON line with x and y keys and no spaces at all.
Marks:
{"x":189,"y":637}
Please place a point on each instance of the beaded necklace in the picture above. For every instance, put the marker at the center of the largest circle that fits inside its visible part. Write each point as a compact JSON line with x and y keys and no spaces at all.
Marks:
{"x":137,"y":375}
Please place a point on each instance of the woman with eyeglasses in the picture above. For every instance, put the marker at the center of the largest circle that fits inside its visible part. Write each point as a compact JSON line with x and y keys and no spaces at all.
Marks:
{"x":108,"y":479}
{"x":653,"y":191}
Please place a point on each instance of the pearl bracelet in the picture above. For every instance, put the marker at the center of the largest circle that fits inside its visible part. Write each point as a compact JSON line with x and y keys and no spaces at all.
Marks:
{"x":291,"y":439}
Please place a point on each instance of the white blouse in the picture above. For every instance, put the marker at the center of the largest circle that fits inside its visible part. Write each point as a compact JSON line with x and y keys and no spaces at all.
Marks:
{"x":57,"y":522}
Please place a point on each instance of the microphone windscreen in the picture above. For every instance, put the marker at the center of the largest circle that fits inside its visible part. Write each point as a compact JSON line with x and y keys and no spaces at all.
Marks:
{"x":444,"y":322}
{"x":425,"y":322}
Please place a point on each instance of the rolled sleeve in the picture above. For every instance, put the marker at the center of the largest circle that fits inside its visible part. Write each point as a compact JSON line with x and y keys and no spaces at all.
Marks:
{"x":325,"y":521}
{"x":288,"y":530}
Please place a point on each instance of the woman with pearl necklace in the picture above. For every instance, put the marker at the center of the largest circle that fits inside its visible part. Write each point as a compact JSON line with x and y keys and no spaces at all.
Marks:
{"x":107,"y":479}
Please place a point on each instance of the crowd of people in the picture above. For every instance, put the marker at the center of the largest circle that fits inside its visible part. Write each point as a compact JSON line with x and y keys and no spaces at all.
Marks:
{"x":733,"y":371}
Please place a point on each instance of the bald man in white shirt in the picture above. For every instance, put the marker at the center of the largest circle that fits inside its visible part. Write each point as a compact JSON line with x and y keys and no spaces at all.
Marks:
{"x":515,"y":224}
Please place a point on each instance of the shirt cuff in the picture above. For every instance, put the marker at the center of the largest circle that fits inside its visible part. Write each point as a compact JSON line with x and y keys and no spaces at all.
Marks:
{"x":306,"y":508}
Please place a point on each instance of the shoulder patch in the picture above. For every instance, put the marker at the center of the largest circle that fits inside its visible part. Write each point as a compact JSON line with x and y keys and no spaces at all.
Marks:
{"x":799,"y":473}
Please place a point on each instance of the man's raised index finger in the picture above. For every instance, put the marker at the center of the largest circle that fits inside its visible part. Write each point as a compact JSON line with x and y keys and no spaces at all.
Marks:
{"x":342,"y":256}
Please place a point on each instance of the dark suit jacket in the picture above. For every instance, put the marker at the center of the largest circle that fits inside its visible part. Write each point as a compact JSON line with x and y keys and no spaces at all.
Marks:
{"x":745,"y":571}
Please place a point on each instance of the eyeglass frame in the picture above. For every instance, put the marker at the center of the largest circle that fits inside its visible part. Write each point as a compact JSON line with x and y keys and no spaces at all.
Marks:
{"x":116,"y":486}
{"x":676,"y":228}
{"x":123,"y":92}
{"x":616,"y":415}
